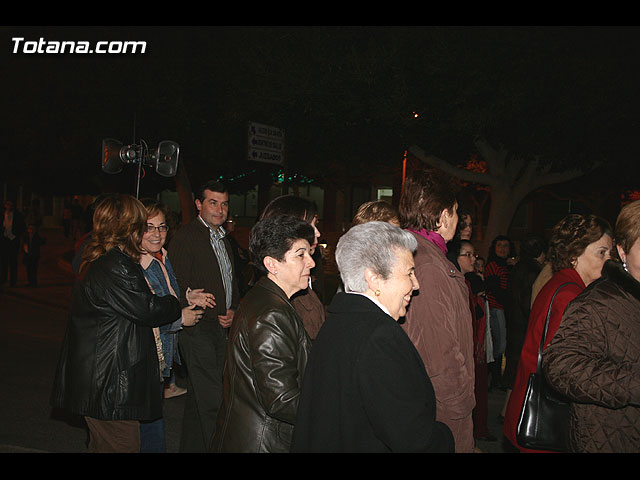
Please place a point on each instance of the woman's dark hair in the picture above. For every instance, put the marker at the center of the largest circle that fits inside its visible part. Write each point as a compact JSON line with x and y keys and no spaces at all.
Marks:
{"x":274,"y":235}
{"x":291,"y":205}
{"x":492,"y":249}
{"x":453,"y":251}
{"x":426,"y":193}
{"x":572,"y":235}
{"x":532,"y":246}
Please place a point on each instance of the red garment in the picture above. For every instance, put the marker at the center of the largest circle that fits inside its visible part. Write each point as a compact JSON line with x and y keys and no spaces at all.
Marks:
{"x":529,"y":356}
{"x":480,"y":412}
{"x":498,"y":269}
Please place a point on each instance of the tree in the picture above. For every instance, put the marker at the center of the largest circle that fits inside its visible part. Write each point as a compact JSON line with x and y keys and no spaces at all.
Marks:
{"x":542,"y":106}
{"x":511,"y":180}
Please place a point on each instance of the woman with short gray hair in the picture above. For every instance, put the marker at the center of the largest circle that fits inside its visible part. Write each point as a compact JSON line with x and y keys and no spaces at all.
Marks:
{"x":371,"y":245}
{"x":365,"y":387}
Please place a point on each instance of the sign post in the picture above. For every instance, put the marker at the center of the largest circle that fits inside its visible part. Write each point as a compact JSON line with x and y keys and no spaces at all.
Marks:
{"x":266,"y":144}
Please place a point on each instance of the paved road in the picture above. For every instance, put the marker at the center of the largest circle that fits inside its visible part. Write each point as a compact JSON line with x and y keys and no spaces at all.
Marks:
{"x":32,"y":321}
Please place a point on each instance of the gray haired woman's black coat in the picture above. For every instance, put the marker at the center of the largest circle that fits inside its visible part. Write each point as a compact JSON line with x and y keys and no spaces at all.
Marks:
{"x":366,"y":388}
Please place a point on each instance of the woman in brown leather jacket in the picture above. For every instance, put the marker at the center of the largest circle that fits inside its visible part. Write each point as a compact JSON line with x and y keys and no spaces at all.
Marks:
{"x":268,"y":345}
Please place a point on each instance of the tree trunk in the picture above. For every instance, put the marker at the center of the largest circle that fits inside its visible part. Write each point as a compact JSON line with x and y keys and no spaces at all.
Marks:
{"x":504,"y":204}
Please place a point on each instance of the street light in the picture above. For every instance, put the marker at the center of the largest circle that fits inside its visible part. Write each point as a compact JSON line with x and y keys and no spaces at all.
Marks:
{"x":164,"y":159}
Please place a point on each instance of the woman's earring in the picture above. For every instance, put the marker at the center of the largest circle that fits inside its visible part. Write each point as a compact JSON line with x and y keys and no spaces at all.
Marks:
{"x":377,"y":292}
{"x":624,"y":265}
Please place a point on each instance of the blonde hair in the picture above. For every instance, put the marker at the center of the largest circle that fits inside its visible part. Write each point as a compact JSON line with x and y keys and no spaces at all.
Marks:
{"x":376,"y":211}
{"x":118,"y":221}
{"x":627,"y":230}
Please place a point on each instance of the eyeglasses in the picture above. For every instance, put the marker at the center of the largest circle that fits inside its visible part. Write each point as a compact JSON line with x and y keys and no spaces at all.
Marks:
{"x":153,"y":228}
{"x":468,"y":254}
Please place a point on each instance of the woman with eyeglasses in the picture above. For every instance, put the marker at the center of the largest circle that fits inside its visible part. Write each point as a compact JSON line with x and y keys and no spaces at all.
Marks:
{"x":162,"y":281}
{"x":502,"y":257}
{"x":108,"y":370}
{"x":462,"y":254}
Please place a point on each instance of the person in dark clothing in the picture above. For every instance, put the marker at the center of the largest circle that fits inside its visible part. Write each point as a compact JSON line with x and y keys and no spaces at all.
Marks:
{"x":502,"y":257}
{"x":31,"y":244}
{"x":109,"y":366}
{"x":241,"y":258}
{"x":202,"y":258}
{"x":13,"y":227}
{"x":533,"y":249}
{"x":462,"y":254}
{"x":268,"y":345}
{"x":532,"y":256}
{"x":365,"y":387}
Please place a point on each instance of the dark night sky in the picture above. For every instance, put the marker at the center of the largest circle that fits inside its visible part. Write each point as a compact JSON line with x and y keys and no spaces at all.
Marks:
{"x":194,"y":85}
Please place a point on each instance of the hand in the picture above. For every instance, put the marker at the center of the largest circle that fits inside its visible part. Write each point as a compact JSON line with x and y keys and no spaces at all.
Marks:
{"x":191,"y":316}
{"x":226,"y":320}
{"x":200,"y":298}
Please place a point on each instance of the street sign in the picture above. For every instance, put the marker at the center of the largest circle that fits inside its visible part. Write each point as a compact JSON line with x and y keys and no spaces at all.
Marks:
{"x":266,"y":144}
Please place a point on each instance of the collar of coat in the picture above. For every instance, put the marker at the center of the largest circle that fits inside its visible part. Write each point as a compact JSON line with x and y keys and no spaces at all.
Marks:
{"x":615,"y":272}
{"x":268,"y":284}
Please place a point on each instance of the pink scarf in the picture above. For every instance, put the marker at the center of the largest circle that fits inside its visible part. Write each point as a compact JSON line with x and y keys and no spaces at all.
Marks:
{"x":433,"y":237}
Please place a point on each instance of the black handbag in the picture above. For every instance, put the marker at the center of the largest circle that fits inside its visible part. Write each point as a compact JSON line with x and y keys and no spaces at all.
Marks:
{"x":543,"y":423}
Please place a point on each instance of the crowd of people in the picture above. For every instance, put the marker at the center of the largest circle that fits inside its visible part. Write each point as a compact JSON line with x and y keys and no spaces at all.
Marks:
{"x":20,"y":237}
{"x":400,"y":360}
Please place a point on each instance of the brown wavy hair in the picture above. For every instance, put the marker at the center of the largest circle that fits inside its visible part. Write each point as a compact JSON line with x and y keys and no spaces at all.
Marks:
{"x":425,"y":195}
{"x":571,"y":236}
{"x":118,"y":221}
{"x":376,"y":210}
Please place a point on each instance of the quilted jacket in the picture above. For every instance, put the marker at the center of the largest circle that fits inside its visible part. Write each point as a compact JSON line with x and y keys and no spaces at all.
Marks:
{"x":594,"y":359}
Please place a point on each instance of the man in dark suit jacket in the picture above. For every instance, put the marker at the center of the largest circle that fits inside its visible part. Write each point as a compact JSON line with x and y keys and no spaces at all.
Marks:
{"x":202,"y":258}
{"x":13,"y":226}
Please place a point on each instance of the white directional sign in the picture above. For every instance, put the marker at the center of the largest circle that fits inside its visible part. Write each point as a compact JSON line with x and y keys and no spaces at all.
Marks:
{"x":266,"y":144}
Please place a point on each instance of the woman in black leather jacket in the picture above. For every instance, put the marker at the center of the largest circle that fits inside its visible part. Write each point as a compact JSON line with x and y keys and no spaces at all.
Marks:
{"x":108,"y":370}
{"x":268,"y":345}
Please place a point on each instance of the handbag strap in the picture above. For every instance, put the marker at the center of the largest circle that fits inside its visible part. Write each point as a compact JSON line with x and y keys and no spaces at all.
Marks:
{"x":546,"y":325}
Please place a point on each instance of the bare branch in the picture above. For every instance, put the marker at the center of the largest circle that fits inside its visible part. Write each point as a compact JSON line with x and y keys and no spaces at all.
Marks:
{"x":557,"y":177}
{"x":461,"y":173}
{"x":495,"y":159}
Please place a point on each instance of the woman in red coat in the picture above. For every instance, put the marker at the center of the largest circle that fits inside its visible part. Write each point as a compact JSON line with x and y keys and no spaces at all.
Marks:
{"x":579,"y":246}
